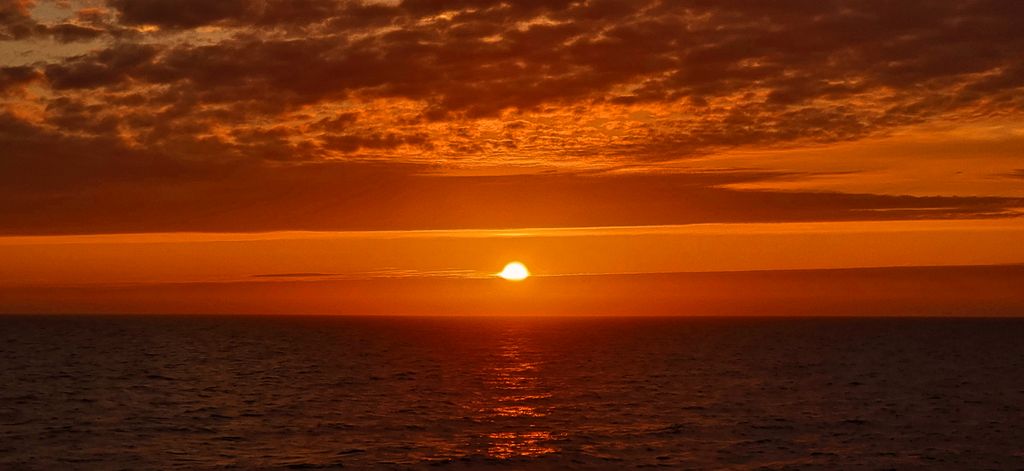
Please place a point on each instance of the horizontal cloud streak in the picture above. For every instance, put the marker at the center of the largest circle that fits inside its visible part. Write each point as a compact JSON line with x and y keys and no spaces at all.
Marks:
{"x":981,"y":291}
{"x":339,"y":196}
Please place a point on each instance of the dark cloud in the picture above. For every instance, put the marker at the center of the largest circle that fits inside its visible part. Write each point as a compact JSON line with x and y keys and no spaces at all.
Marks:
{"x":181,"y":13}
{"x":247,"y":86}
{"x":187,"y":14}
{"x":763,"y":74}
{"x":40,"y":163}
{"x":54,"y":183}
{"x":12,"y":78}
{"x":106,"y":67}
{"x":69,"y":32}
{"x":17,"y":22}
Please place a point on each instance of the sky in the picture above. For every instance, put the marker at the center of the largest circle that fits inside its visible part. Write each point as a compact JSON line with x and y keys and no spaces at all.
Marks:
{"x":162,"y":149}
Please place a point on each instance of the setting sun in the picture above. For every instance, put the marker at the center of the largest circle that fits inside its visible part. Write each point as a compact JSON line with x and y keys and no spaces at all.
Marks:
{"x":514,"y":271}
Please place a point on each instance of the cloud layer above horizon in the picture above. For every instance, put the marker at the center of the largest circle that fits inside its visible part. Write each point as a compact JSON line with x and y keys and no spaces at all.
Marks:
{"x":157,"y":115}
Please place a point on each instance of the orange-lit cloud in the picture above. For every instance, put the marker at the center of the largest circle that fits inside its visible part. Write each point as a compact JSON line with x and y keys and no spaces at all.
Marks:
{"x":276,"y":114}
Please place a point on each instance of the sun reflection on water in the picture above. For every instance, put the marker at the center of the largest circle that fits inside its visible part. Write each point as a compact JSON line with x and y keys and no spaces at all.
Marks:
{"x":517,"y":410}
{"x":506,"y":445}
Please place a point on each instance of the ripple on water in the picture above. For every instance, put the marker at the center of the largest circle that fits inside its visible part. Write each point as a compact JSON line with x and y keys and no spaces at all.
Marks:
{"x":312,"y":393}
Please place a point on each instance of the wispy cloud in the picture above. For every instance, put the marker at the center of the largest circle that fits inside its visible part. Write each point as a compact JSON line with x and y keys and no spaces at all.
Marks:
{"x":381,"y":273}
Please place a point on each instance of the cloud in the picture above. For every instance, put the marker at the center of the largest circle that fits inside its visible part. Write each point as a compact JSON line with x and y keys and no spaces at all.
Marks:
{"x":17,"y":22}
{"x":14,"y":78}
{"x":69,"y":32}
{"x":709,"y":75}
{"x":15,"y":19}
{"x":102,"y":68}
{"x":178,"y":88}
{"x":103,"y":186}
{"x":180,"y":13}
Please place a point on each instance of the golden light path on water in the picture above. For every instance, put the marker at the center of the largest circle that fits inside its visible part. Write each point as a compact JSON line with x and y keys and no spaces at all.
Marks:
{"x":519,"y":421}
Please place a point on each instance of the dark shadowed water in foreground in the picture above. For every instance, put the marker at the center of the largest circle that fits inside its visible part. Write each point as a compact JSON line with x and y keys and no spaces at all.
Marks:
{"x":306,"y":393}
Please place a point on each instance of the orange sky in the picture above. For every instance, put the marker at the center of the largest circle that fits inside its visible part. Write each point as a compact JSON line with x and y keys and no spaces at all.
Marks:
{"x":220,"y":257}
{"x":235,"y":141}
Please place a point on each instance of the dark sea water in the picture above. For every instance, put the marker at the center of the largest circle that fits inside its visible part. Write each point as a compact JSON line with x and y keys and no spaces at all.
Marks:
{"x":309,"y":393}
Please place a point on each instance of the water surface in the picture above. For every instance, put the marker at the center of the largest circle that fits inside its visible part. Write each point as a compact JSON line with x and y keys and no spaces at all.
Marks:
{"x":87,"y":392}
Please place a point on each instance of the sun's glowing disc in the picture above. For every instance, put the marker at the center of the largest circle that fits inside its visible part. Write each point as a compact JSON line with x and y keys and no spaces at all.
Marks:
{"x":514,"y":271}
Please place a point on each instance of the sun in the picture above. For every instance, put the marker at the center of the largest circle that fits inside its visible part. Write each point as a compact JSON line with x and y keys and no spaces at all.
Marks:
{"x":514,"y":271}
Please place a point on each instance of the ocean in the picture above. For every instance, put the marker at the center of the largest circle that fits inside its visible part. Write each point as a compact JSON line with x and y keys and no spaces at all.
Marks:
{"x":242,"y":392}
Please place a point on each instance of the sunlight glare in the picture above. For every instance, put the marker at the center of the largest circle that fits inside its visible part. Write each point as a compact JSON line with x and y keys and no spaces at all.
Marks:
{"x":514,"y":271}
